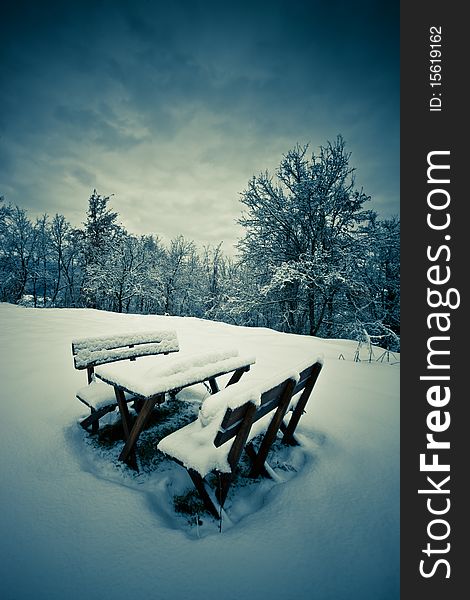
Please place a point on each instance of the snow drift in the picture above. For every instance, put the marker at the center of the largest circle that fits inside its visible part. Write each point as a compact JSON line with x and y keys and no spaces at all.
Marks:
{"x":75,"y":524}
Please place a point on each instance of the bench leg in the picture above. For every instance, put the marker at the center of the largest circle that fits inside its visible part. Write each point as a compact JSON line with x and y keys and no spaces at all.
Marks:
{"x":271,"y":433}
{"x":223,"y":486}
{"x":200,"y":486}
{"x":289,"y":440}
{"x":95,"y":425}
{"x":251,"y":453}
{"x":225,"y":479}
{"x":95,"y":416}
{"x":289,"y":431}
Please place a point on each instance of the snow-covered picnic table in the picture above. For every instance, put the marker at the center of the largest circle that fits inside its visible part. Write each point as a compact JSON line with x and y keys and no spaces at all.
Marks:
{"x":149,"y":380}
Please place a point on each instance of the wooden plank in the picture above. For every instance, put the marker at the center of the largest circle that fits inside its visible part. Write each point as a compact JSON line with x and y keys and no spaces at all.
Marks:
{"x":273,"y":393}
{"x":233,"y":416}
{"x":233,"y":420}
{"x":226,"y":435}
{"x":267,"y":408}
{"x":304,"y":376}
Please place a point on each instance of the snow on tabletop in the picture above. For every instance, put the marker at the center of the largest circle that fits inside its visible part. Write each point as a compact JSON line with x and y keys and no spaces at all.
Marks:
{"x":154,"y":375}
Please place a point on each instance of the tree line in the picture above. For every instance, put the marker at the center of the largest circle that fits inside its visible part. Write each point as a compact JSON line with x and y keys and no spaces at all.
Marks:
{"x":313,"y":260}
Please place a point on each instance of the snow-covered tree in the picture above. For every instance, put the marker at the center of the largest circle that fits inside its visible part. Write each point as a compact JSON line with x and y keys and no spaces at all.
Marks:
{"x":312,"y":259}
{"x":66,"y":254}
{"x":179,"y":274}
{"x":18,"y":245}
{"x":300,"y":234}
{"x":41,"y":268}
{"x":380,"y":271}
{"x":101,"y":231}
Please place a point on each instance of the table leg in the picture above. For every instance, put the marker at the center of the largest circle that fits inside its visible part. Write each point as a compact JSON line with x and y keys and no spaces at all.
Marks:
{"x":126,"y":425}
{"x":237,"y":375}
{"x":138,"y":426}
{"x":214,"y":385}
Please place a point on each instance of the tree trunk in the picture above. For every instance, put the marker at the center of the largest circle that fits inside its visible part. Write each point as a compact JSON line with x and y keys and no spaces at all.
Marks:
{"x":311,"y":313}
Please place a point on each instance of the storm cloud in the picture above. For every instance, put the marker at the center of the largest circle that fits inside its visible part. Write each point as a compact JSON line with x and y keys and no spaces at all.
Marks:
{"x":172,"y":107}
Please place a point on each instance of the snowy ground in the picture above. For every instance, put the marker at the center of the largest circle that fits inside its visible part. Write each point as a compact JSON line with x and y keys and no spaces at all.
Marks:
{"x":74,"y":524}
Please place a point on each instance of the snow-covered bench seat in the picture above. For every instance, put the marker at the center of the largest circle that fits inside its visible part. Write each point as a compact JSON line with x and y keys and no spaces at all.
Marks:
{"x":90,"y":352}
{"x":229,"y":420}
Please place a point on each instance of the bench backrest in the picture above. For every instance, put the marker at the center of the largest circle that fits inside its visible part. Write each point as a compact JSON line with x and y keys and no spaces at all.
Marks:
{"x":270,"y":400}
{"x":91,"y":352}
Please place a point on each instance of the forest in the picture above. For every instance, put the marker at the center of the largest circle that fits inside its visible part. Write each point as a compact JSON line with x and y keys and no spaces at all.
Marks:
{"x":312,"y":259}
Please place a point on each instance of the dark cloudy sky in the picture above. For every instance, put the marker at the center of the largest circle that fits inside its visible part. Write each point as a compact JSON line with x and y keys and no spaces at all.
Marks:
{"x":173,"y":106}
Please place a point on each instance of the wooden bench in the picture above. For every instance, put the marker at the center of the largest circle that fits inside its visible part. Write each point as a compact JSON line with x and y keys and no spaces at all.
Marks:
{"x":215,"y":446}
{"x":89,"y":353}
